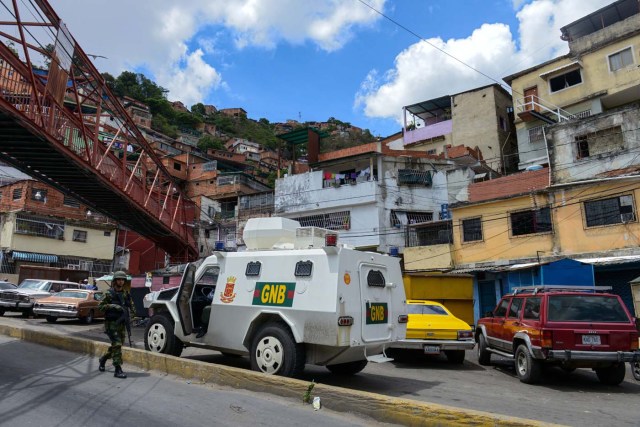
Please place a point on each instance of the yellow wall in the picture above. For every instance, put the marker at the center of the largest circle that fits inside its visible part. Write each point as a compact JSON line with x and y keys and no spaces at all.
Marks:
{"x":497,"y":243}
{"x":453,"y":291}
{"x":427,"y":257}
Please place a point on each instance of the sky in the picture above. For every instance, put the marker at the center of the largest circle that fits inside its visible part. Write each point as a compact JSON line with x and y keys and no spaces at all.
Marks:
{"x":309,"y":60}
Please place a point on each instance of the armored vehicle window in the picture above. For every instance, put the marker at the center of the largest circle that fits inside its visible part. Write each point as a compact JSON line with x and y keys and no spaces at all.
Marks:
{"x":303,"y":268}
{"x":210,"y":276}
{"x":375,"y":278}
{"x":253,"y":269}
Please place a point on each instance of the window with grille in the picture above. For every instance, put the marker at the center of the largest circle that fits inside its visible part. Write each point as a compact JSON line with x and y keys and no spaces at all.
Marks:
{"x":471,"y":229}
{"x":253,"y":269}
{"x":615,"y":210}
{"x":72,"y":203}
{"x":17,"y":194}
{"x":621,"y":59}
{"x":566,"y":80}
{"x":530,"y":222}
{"x":37,"y":226}
{"x":375,"y":278}
{"x":303,"y":268}
{"x":603,"y":141}
{"x":38,"y":195}
{"x":536,"y":134}
{"x":400,"y":218}
{"x":331,"y":221}
{"x":79,"y":236}
{"x":439,"y":233}
{"x":414,"y":177}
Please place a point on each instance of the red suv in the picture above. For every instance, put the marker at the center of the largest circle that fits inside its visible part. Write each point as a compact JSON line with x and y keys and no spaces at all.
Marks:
{"x":571,"y":327}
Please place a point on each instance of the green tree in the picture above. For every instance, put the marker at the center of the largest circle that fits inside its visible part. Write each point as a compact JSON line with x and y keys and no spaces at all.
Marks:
{"x":209,"y":141}
{"x":198,"y":109}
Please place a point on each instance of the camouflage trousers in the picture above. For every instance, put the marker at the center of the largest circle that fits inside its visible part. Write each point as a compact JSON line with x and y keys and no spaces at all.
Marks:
{"x":115,"y":333}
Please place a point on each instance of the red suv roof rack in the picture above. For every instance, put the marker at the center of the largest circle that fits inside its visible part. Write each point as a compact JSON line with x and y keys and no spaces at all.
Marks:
{"x":559,"y":288}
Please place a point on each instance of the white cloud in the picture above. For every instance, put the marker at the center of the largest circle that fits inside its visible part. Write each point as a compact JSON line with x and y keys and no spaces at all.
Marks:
{"x":421,"y":72}
{"x":155,"y":36}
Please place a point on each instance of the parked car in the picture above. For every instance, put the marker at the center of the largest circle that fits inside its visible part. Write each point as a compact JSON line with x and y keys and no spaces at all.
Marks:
{"x":70,"y":303}
{"x":24,"y":296}
{"x":570,"y":327}
{"x":434,"y":330}
{"x":7,"y":285}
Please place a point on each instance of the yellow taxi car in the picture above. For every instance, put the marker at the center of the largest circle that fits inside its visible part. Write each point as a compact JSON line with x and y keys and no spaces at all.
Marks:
{"x":434,"y":330}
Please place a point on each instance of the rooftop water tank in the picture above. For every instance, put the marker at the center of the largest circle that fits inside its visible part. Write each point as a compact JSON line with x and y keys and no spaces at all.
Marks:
{"x":265,"y":233}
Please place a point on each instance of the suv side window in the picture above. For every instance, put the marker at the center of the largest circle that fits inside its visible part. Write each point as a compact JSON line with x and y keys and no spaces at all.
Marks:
{"x":514,"y":309}
{"x":532,"y":308}
{"x":501,"y":309}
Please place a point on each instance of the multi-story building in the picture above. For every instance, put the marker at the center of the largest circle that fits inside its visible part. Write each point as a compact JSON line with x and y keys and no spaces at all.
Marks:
{"x":600,"y":73}
{"x":480,"y":118}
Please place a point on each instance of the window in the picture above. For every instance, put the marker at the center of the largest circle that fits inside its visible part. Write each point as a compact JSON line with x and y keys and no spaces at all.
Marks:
{"x":501,"y":309}
{"x":253,"y":269}
{"x":107,"y":233}
{"x":331,"y":221}
{"x":531,"y":222}
{"x":79,"y":236}
{"x":536,"y":134}
{"x":414,"y":177}
{"x":375,"y":278}
{"x":400,"y":218}
{"x":585,"y":308}
{"x":532,"y":309}
{"x":38,"y":195}
{"x":439,"y":233}
{"x":502,"y":122}
{"x":303,"y":268}
{"x":563,"y":81}
{"x":471,"y":229}
{"x":615,"y":210}
{"x":37,"y":226}
{"x":604,"y":141}
{"x":621,"y":59}
{"x":514,"y":309}
{"x":207,"y":234}
{"x":17,"y":194}
{"x":72,"y":203}
{"x":177,"y":166}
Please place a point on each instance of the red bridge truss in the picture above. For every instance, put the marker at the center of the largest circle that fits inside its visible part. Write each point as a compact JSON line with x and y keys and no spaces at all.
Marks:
{"x":60,"y":123}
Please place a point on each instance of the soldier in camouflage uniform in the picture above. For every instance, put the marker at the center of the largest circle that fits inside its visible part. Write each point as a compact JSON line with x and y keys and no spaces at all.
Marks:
{"x":113,"y":304}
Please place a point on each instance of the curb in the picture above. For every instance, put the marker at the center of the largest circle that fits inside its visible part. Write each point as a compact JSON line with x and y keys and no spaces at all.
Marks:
{"x":381,"y":408}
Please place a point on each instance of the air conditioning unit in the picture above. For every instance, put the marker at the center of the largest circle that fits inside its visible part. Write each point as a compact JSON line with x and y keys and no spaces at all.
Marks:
{"x":86,"y":265}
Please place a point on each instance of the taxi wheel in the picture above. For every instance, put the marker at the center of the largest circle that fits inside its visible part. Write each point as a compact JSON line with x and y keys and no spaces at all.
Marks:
{"x":349,"y":368}
{"x":51,"y":319}
{"x":484,"y":356}
{"x":1,"y":312}
{"x":613,"y":375}
{"x":528,"y":369}
{"x":26,"y":313}
{"x":455,"y":356}
{"x":275,"y":351}
{"x":88,"y":319}
{"x":635,"y":370}
{"x":159,"y":336}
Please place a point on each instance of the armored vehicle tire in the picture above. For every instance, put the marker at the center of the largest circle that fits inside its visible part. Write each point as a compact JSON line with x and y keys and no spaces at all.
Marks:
{"x":88,"y":319}
{"x":275,"y":351}
{"x":349,"y":368}
{"x":613,"y":375}
{"x":528,"y":369}
{"x":159,"y":336}
{"x":484,"y":355}
{"x":455,"y":356}
{"x":51,"y":319}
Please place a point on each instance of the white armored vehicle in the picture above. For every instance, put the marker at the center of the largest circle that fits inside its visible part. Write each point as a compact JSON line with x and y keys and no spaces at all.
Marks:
{"x":293,"y":297}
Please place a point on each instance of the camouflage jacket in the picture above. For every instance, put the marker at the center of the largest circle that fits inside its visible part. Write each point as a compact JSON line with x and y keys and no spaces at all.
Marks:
{"x":113,"y":308}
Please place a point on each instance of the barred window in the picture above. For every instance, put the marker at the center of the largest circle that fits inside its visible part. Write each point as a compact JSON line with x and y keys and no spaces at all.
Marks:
{"x":331,"y":221}
{"x":536,"y":134}
{"x":375,"y":278}
{"x":253,"y":269}
{"x":71,"y":202}
{"x":439,"y":233}
{"x":615,"y":210}
{"x":414,"y":177}
{"x":303,"y":268}
{"x":79,"y":236}
{"x":17,"y":194}
{"x":37,"y":226}
{"x":400,"y":218}
{"x":471,"y":229}
{"x":530,"y":222}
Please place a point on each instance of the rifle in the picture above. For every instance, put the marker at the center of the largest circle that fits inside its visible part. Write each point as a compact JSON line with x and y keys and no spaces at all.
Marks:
{"x":126,"y":318}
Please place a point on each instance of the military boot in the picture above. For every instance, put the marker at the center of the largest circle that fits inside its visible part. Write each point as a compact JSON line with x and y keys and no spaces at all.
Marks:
{"x":119,"y":373}
{"x":103,"y":361}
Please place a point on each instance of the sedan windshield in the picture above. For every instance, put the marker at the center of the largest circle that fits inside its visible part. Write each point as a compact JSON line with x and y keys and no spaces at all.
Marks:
{"x":585,"y":308}
{"x":71,"y":294}
{"x":42,"y":285}
{"x":426,"y":309}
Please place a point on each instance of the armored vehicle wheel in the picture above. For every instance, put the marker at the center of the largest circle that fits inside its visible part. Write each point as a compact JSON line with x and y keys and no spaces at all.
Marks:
{"x":484,"y":355}
{"x":349,"y":368}
{"x":159,"y":336}
{"x":51,"y":319}
{"x":528,"y":369}
{"x":274,"y":351}
{"x":613,"y":375}
{"x":88,"y":319}
{"x":455,"y":356}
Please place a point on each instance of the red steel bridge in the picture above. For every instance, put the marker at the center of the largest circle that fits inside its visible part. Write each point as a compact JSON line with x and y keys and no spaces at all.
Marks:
{"x":60,"y":123}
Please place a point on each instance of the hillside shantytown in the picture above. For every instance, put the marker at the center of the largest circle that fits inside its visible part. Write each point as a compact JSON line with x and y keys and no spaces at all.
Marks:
{"x":478,"y":192}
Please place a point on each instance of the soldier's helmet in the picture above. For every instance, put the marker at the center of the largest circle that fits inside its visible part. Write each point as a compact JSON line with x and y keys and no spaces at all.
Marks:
{"x":121,"y":275}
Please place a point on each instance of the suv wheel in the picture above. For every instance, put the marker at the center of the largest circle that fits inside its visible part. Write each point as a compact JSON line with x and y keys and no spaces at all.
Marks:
{"x":528,"y":369}
{"x":613,"y":375}
{"x":484,"y":355}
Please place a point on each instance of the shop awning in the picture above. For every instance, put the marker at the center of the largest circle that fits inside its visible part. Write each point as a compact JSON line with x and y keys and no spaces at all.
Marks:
{"x":33,"y":257}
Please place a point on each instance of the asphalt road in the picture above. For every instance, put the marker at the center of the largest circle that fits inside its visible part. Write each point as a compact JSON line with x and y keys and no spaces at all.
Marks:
{"x":576,"y":399}
{"x":43,"y":386}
